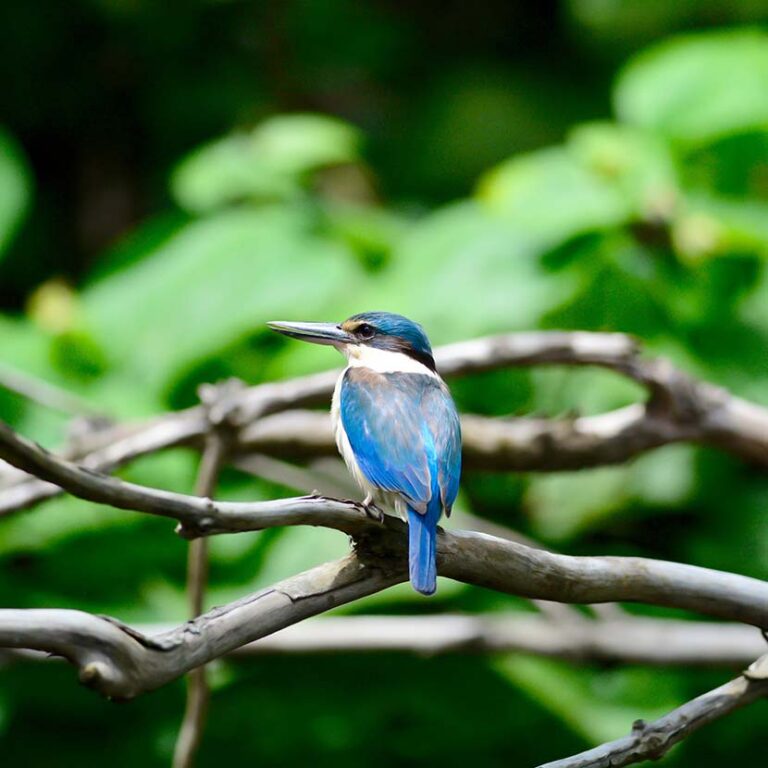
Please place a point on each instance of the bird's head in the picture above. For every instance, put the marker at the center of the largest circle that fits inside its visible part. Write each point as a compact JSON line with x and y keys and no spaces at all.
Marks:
{"x":366,"y":337}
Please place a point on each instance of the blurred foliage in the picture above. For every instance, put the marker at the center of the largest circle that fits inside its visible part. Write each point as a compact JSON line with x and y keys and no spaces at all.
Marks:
{"x":202,"y":169}
{"x":14,"y":189}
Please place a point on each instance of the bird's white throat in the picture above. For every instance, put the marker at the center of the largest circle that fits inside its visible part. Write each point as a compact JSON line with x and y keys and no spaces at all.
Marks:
{"x":383,"y":360}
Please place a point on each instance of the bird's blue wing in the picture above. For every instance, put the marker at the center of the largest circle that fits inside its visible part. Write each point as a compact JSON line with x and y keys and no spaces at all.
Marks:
{"x":443,"y":422}
{"x":404,"y":432}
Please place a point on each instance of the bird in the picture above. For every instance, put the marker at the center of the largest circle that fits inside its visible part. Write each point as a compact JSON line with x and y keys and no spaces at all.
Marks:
{"x":396,"y":425}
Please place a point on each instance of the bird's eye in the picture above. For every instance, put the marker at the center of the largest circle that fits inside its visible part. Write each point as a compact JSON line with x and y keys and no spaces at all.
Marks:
{"x":365,"y":331}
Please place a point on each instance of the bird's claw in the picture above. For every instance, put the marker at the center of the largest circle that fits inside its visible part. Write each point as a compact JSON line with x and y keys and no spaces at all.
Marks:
{"x":368,"y":506}
{"x":372,"y":510}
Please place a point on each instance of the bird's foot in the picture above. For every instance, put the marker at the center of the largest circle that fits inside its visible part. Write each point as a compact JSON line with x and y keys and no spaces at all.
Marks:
{"x":367,"y":505}
{"x":372,"y":510}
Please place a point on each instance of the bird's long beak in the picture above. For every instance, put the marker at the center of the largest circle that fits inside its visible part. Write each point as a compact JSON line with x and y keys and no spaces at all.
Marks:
{"x":317,"y":333}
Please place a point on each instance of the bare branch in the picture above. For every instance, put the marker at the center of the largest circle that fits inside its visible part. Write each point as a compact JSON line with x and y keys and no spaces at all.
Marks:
{"x":513,"y":568}
{"x":108,"y":450}
{"x":630,"y":639}
{"x":510,"y":444}
{"x":540,"y":444}
{"x":610,"y":350}
{"x":650,"y":741}
{"x":679,"y":407}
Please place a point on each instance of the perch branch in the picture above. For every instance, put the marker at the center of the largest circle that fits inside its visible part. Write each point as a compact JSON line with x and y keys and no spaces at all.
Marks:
{"x":331,"y":478}
{"x":474,"y":558}
{"x":470,"y":557}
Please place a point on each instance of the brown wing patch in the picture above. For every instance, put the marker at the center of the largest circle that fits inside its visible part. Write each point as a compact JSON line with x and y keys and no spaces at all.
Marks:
{"x":367,"y":376}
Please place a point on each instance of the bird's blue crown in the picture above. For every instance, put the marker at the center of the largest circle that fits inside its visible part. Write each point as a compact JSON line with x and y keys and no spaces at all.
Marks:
{"x":386,"y":330}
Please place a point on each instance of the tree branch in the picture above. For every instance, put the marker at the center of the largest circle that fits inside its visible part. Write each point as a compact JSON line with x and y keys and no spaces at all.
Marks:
{"x":650,"y":741}
{"x":508,"y":444}
{"x":474,"y":558}
{"x":107,"y":450}
{"x":120,"y":663}
{"x":631,"y":639}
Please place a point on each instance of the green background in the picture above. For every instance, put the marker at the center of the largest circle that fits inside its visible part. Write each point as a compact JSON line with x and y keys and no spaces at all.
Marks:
{"x":172,"y":175}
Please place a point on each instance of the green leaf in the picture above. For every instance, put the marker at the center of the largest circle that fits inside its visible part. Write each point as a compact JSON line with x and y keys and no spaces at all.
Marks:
{"x":717,"y":225}
{"x":567,"y":504}
{"x":552,"y":194}
{"x":698,"y":87}
{"x":463,"y":272}
{"x":584,"y":391}
{"x":599,"y":708}
{"x":24,"y":346}
{"x":370,"y":231}
{"x":213,"y":283}
{"x":298,"y":549}
{"x":15,"y":187}
{"x":664,"y":478}
{"x":270,"y":162}
{"x":147,"y":237}
{"x":754,"y":312}
{"x":620,"y":288}
{"x":735,"y":165}
{"x":636,"y":163}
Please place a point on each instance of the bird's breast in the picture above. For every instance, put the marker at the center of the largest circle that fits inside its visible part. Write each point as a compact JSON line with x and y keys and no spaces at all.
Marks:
{"x":342,"y":441}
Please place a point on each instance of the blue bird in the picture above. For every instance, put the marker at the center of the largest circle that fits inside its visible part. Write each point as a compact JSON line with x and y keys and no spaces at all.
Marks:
{"x":396,"y":425}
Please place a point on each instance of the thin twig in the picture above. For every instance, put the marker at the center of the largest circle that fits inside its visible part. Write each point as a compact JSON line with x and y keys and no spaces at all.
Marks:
{"x":650,"y":741}
{"x":198,"y":691}
{"x":44,"y":393}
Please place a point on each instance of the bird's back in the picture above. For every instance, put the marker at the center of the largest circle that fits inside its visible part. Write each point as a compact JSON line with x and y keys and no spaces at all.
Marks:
{"x":400,"y":432}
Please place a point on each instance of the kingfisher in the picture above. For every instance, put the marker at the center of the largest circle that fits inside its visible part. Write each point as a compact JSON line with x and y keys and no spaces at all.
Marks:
{"x":396,"y":425}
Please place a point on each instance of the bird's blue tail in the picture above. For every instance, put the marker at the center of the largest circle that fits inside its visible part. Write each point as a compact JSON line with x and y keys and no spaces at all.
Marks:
{"x":422,"y":547}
